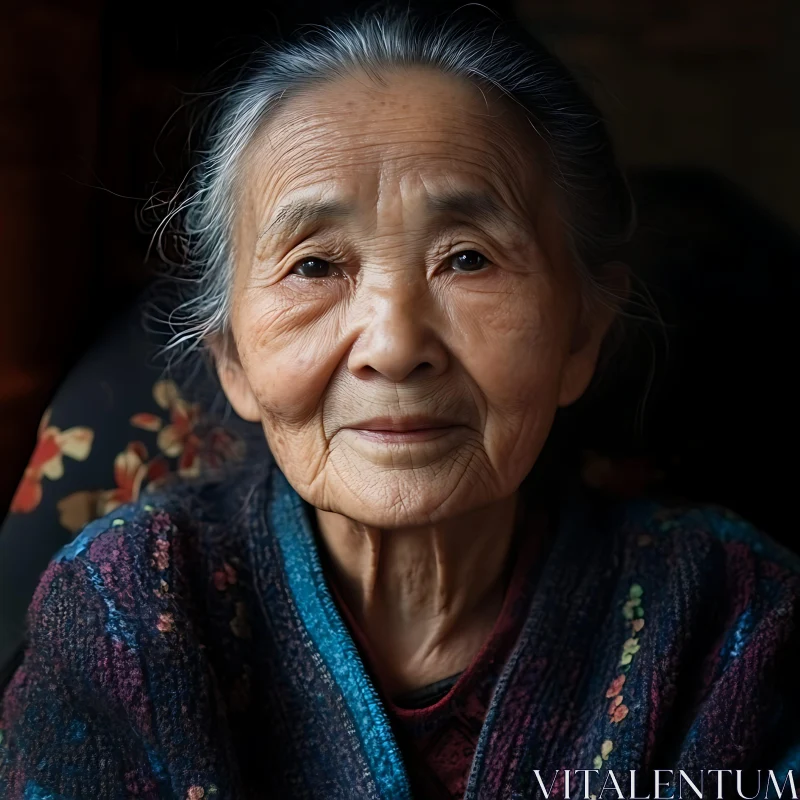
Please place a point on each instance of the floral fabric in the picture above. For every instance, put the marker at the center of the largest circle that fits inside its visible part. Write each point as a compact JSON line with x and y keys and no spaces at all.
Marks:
{"x":185,"y":444}
{"x":121,"y":422}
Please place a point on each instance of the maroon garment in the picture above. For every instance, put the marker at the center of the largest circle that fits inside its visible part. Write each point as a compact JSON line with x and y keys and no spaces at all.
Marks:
{"x":437,"y":726}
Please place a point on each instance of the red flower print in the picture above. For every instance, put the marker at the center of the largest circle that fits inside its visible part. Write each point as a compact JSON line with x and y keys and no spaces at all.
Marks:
{"x":47,"y":461}
{"x":176,"y":438}
{"x":179,"y":438}
{"x":131,"y":469}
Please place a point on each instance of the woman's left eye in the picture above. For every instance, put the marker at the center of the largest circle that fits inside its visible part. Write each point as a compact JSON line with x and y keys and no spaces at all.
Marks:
{"x":468,"y":261}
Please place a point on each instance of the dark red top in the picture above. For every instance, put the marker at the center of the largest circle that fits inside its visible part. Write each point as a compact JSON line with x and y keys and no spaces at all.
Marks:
{"x":437,"y":726}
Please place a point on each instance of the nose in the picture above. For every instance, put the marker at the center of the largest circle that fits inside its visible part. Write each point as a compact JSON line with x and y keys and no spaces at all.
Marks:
{"x":397,"y":340}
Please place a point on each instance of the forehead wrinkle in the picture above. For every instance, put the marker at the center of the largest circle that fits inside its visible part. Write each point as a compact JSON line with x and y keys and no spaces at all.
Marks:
{"x":481,"y":145}
{"x":336,"y":132}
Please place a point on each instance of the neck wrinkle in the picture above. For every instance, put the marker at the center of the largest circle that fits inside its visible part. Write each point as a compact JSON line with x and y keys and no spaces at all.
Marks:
{"x":418,"y":639}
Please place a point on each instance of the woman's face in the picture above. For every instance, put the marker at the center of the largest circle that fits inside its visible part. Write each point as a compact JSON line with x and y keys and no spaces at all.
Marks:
{"x":399,"y":256}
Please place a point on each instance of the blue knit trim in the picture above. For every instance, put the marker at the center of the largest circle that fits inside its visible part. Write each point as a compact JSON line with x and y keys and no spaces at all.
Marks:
{"x":287,"y":520}
{"x":34,"y":791}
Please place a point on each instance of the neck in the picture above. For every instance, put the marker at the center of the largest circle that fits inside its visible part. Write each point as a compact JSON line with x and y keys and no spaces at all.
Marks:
{"x":426,"y":597}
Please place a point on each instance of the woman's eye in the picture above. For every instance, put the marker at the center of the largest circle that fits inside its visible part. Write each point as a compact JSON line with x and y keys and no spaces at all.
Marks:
{"x":468,"y":261}
{"x":312,"y":268}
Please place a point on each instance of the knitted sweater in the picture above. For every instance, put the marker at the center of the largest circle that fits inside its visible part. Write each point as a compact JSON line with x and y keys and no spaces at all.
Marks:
{"x":189,"y":647}
{"x":438,"y":726}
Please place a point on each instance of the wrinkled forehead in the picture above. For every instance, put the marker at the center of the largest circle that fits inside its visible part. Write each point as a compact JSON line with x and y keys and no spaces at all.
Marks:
{"x":412,"y":137}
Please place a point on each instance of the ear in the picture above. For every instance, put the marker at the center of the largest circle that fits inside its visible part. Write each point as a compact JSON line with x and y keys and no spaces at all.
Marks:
{"x":234,"y":382}
{"x":593,"y":323}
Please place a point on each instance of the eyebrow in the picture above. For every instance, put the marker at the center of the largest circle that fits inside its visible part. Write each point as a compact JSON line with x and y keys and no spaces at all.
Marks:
{"x":478,"y":206}
{"x":297,"y":213}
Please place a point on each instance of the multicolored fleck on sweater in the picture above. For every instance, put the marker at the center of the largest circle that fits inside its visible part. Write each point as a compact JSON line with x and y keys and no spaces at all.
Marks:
{"x":189,"y":647}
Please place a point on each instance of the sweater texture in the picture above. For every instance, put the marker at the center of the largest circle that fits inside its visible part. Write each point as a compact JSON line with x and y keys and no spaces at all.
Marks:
{"x":189,"y":647}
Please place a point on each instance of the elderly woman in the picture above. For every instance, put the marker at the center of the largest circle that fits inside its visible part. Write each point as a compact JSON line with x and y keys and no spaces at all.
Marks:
{"x":403,"y":240}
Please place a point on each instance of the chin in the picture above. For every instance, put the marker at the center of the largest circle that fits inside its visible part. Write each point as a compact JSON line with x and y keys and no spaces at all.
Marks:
{"x":397,"y":500}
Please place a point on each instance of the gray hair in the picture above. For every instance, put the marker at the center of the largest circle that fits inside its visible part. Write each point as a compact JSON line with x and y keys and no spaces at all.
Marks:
{"x":595,"y":202}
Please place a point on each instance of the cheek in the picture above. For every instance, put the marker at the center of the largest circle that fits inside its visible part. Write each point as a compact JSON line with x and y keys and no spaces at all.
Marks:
{"x":287,"y":352}
{"x":514,"y":344}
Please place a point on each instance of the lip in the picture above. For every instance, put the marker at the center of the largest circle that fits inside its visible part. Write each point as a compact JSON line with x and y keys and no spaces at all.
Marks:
{"x":402,"y":424}
{"x":389,"y":430}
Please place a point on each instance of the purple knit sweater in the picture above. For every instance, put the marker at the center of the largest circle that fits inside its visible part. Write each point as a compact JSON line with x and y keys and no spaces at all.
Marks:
{"x":189,"y":647}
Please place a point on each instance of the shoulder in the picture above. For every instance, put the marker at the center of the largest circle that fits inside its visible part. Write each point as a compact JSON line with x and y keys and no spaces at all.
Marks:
{"x":702,"y":527}
{"x":718,"y":599}
{"x":704,"y":564}
{"x":145,"y":568}
{"x":178,"y":510}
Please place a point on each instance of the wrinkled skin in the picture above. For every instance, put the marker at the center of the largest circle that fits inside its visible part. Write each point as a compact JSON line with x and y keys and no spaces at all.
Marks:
{"x":387,"y":320}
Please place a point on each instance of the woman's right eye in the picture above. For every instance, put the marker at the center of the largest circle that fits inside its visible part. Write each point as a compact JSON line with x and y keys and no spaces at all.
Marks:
{"x":312,"y":268}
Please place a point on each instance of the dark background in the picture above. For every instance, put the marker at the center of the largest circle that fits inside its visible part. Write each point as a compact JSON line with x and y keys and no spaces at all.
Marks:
{"x":93,"y":122}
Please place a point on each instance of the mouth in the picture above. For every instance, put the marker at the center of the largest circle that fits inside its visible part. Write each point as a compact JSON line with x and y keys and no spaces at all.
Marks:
{"x":403,"y":429}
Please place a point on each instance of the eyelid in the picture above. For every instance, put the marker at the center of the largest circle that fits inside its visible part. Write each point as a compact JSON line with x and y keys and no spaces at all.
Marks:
{"x":334,"y":255}
{"x":442,"y":258}
{"x":315,"y":244}
{"x":461,"y":238}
